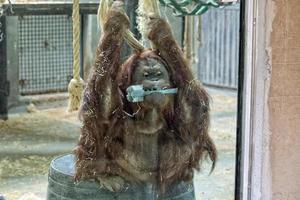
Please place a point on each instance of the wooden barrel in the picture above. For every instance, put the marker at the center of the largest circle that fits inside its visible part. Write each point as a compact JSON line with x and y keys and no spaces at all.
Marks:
{"x":61,"y":186}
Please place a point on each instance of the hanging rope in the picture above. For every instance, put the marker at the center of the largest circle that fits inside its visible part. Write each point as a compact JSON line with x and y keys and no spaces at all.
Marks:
{"x":104,"y":6}
{"x":148,"y":8}
{"x":76,"y":85}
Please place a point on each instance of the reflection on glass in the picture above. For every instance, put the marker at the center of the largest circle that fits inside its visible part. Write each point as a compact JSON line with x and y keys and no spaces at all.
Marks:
{"x":149,"y":148}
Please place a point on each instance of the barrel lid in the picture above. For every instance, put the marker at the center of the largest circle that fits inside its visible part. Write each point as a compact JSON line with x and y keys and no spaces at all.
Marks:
{"x":64,"y":164}
{"x":62,"y":170}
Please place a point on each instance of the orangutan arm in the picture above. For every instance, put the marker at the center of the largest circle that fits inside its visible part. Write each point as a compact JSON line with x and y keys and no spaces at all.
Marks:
{"x":161,"y":36}
{"x":101,"y":99}
{"x":193,"y":141}
{"x":108,"y":50}
{"x":194,"y":100}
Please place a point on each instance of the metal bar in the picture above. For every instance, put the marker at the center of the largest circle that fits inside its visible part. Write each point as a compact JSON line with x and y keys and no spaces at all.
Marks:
{"x":222,"y":41}
{"x":238,"y":189}
{"x":46,"y":91}
{"x":45,"y":8}
{"x":3,"y":70}
{"x":219,"y":86}
{"x":219,"y":50}
{"x":130,"y":7}
{"x":243,"y":149}
{"x":81,"y":45}
{"x":12,"y":59}
{"x":214,"y":50}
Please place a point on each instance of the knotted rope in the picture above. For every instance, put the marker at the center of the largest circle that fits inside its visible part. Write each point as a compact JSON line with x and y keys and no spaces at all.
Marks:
{"x":104,"y":6}
{"x":76,"y":85}
{"x":147,"y":8}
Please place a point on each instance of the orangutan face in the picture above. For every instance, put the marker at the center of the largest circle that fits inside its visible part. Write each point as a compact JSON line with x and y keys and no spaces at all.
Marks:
{"x":153,"y":75}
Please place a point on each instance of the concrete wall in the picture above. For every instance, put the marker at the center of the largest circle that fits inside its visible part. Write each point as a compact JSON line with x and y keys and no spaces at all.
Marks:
{"x":284,"y":100}
{"x":271,"y":101}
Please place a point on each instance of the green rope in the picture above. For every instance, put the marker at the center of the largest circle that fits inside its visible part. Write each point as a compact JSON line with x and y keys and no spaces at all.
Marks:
{"x":190,"y":7}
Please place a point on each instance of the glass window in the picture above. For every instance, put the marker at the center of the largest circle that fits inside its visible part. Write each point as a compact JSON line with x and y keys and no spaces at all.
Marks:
{"x":157,"y":123}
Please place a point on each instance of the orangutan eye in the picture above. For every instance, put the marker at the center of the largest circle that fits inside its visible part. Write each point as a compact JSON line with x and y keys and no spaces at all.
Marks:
{"x":146,"y":74}
{"x":158,"y":73}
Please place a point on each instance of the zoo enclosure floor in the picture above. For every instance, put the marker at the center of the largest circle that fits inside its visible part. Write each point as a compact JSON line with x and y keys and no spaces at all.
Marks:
{"x":30,"y":140}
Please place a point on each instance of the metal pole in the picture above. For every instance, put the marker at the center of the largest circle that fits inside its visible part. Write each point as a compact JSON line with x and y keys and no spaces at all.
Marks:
{"x":4,"y":86}
{"x":130,"y":7}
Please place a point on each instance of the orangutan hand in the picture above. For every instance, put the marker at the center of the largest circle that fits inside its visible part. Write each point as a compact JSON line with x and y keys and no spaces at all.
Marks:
{"x":111,"y":183}
{"x":116,"y":18}
{"x":158,"y":29}
{"x":118,"y":5}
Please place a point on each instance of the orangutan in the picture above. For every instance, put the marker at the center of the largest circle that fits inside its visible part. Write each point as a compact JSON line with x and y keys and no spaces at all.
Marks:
{"x":159,"y":140}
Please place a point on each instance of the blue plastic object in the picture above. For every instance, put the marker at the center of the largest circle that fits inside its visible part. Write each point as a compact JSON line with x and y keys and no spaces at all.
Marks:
{"x":136,"y":93}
